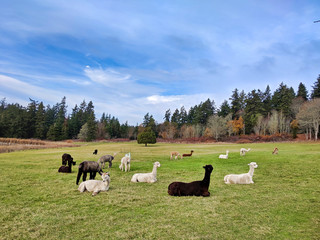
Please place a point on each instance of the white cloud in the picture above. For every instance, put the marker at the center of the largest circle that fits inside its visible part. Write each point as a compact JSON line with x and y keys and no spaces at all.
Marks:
{"x":107,"y":77}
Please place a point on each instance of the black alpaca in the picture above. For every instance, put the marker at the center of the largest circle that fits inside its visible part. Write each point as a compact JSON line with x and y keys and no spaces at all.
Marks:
{"x":88,"y":167}
{"x":196,"y":188}
{"x":66,"y":169}
{"x":67,"y":159}
{"x":95,"y":152}
{"x":187,"y":154}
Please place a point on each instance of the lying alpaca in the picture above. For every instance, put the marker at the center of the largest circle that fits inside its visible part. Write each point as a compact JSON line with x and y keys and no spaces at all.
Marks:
{"x":125,"y":161}
{"x":147,"y":177}
{"x":222,"y":156}
{"x":96,"y":186}
{"x":66,"y":159}
{"x":187,"y":154}
{"x":66,"y":169}
{"x":243,"y":151}
{"x":275,"y":151}
{"x":106,"y":158}
{"x":245,"y":178}
{"x":176,"y":154}
{"x":196,"y":188}
{"x":95,"y":152}
{"x":91,"y":167}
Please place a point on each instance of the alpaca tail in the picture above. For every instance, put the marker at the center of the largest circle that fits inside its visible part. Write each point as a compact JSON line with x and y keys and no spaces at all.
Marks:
{"x":79,"y":173}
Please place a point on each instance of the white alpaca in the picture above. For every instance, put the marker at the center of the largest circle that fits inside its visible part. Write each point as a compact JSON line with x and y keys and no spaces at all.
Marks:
{"x":147,"y":177}
{"x":243,"y":151}
{"x":176,"y":154}
{"x":245,"y":178}
{"x":96,"y":186}
{"x":125,"y":162}
{"x":222,"y":156}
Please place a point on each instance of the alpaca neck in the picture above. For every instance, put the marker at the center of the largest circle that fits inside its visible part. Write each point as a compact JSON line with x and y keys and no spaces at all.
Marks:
{"x":206,"y":179}
{"x":251,"y":171}
{"x":154,"y":171}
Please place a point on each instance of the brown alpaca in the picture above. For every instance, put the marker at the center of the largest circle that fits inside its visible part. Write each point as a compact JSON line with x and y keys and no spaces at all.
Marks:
{"x":275,"y":151}
{"x":187,"y":154}
{"x":176,"y":154}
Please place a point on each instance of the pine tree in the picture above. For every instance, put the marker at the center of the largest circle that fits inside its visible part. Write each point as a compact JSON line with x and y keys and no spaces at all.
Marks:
{"x":316,"y":89}
{"x":40,"y":124}
{"x":282,"y":99}
{"x":302,"y":91}
{"x":224,"y":109}
{"x":167,"y":115}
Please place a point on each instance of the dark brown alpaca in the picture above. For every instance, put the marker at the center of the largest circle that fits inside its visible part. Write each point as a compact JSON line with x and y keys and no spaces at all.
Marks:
{"x":91,"y":167}
{"x":95,"y":152}
{"x":196,"y":188}
{"x":67,"y":159}
{"x":187,"y":154}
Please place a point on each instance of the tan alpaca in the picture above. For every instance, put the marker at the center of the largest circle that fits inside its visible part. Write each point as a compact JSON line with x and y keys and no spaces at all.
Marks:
{"x":275,"y":151}
{"x":176,"y":154}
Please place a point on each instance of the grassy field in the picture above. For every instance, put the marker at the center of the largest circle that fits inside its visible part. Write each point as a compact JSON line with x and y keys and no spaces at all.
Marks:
{"x":284,"y":203}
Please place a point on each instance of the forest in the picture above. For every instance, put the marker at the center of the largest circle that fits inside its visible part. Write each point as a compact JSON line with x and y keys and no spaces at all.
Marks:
{"x":257,"y":112}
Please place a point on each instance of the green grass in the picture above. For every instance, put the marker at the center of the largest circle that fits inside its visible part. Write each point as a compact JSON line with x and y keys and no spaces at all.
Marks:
{"x":284,"y":203}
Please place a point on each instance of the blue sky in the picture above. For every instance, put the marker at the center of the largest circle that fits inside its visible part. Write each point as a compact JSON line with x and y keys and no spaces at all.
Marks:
{"x":134,"y":57}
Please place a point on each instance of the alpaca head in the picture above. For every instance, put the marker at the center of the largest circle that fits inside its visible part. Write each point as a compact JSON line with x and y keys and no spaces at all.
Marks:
{"x":227,"y":151}
{"x":156,"y":164}
{"x":105,"y":176}
{"x":208,"y":168}
{"x":253,"y":164}
{"x":192,"y":151}
{"x":249,"y":149}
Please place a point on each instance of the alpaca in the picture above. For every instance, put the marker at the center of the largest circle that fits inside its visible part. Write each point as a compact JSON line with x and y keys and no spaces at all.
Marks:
{"x":66,"y":169}
{"x":95,"y":152}
{"x":245,"y":178}
{"x":96,"y":186}
{"x":243,"y":151}
{"x":187,"y":154}
{"x":91,"y":167}
{"x":196,"y":188}
{"x":125,"y":162}
{"x":275,"y":151}
{"x":222,"y":156}
{"x":67,"y":159}
{"x":106,"y":158}
{"x":176,"y":154}
{"x":147,"y":177}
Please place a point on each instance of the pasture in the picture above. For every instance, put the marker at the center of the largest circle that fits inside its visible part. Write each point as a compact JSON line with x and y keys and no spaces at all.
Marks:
{"x":37,"y":202}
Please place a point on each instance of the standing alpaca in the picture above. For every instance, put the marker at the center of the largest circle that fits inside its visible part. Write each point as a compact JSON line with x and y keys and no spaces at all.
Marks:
{"x":176,"y":154}
{"x":222,"y":156}
{"x":106,"y":158}
{"x":196,"y":188}
{"x":243,"y":151}
{"x":245,"y":178}
{"x":95,"y":152}
{"x":125,"y":161}
{"x":147,"y":177}
{"x":187,"y":154}
{"x":96,"y":186}
{"x":91,"y":167}
{"x":275,"y":151}
{"x":67,"y":159}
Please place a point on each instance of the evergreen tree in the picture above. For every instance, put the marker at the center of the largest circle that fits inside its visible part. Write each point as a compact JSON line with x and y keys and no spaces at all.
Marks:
{"x":224,"y":109}
{"x":266,"y":102}
{"x":167,"y":115}
{"x":175,"y":116}
{"x":252,"y":110}
{"x":302,"y":91}
{"x":147,"y":137}
{"x":282,"y":99}
{"x":40,"y":124}
{"x":237,"y":103}
{"x":31,"y":118}
{"x":316,"y":89}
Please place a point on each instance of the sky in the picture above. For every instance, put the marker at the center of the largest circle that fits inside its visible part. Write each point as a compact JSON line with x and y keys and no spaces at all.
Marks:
{"x":133,"y":57}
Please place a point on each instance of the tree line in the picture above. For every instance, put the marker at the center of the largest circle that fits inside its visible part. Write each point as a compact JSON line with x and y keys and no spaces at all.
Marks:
{"x":256,"y":112}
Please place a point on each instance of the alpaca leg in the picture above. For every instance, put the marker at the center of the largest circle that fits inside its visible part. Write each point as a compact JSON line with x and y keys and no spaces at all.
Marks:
{"x":79,"y":176}
{"x":125,"y":167}
{"x":84,"y":177}
{"x":95,"y":193}
{"x":128,"y":167}
{"x":206,"y":194}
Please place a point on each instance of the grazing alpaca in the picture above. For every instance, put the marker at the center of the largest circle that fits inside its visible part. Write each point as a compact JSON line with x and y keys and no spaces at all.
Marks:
{"x":196,"y":188}
{"x":96,"y":186}
{"x":187,"y":154}
{"x":125,"y":161}
{"x":275,"y":151}
{"x":106,"y":158}
{"x":91,"y":167}
{"x":245,"y":178}
{"x":95,"y":152}
{"x":243,"y":151}
{"x":67,"y":159}
{"x":176,"y":154}
{"x":147,"y":177}
{"x":222,"y":156}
